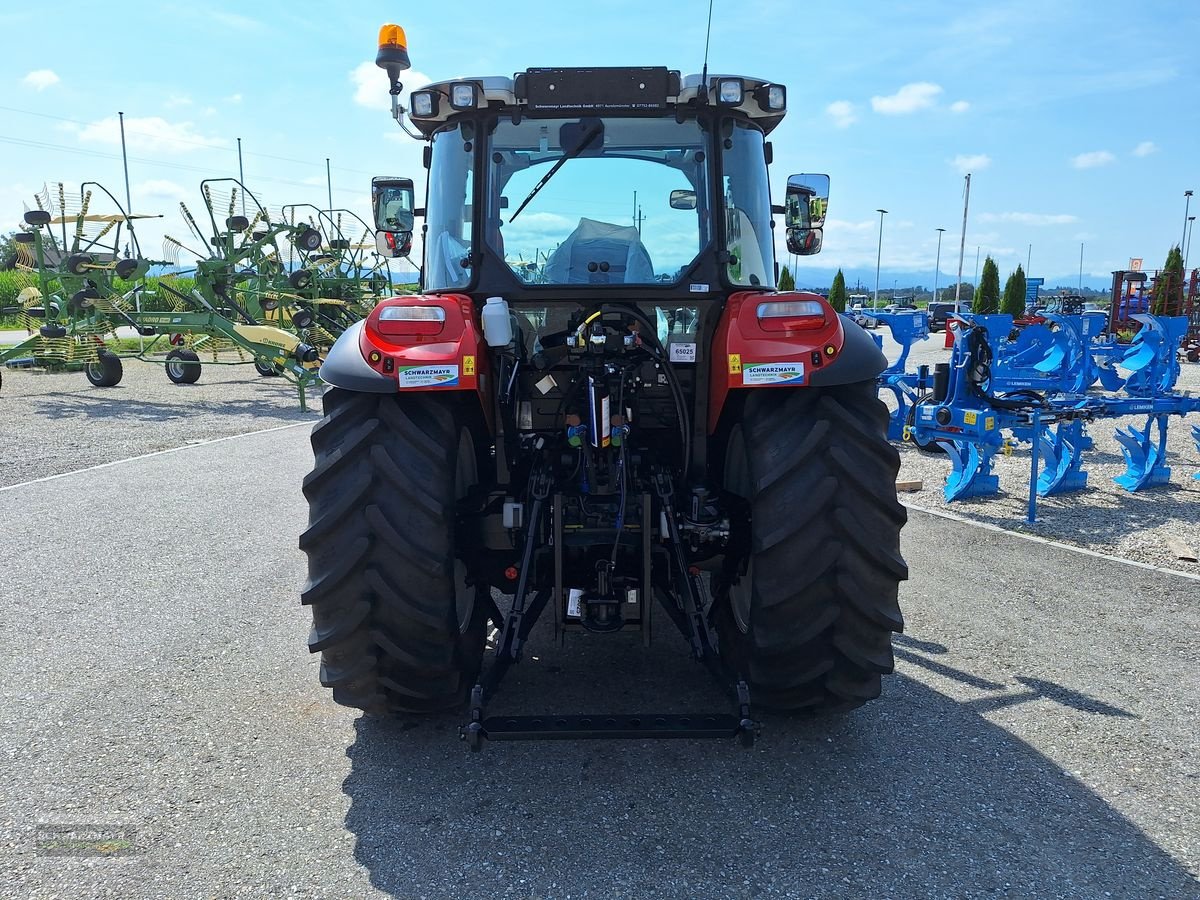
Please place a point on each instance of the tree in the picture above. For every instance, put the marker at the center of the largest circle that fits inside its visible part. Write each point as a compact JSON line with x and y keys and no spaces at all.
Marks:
{"x":786,"y":281}
{"x":837,"y":293}
{"x":988,"y":298}
{"x":1013,"y":303}
{"x":1166,"y":298}
{"x":965,"y":293}
{"x":8,"y":250}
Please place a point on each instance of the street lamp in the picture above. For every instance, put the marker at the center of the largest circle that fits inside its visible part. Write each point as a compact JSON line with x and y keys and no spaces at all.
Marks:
{"x":878,"y":256}
{"x":1188,"y":251}
{"x":937,"y":265}
{"x":1187,"y":202}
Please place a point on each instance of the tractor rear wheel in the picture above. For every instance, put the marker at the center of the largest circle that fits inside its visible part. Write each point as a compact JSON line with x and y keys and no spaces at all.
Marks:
{"x":398,"y":627}
{"x":806,"y":611}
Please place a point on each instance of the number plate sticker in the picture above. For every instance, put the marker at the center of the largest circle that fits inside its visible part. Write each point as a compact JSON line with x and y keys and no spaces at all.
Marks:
{"x":683,"y":352}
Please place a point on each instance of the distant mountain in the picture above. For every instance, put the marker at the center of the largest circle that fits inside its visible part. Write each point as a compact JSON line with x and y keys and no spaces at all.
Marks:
{"x":862,"y":280}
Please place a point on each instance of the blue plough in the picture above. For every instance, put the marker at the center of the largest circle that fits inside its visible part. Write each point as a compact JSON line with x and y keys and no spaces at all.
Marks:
{"x":1033,"y":384}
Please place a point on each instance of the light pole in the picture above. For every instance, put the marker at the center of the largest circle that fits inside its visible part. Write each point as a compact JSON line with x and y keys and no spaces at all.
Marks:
{"x":977,"y":267}
{"x":1188,"y":251}
{"x":1081,"y":267}
{"x":878,"y":256}
{"x":937,"y":265}
{"x":1028,"y":259}
{"x":1187,"y":202}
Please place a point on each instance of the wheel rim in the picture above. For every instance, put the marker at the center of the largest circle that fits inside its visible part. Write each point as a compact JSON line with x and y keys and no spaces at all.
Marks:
{"x":175,"y":369}
{"x":737,"y":481}
{"x":465,"y":476}
{"x":93,"y":371}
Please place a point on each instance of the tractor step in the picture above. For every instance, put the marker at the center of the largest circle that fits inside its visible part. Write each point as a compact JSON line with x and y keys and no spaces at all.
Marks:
{"x":627,"y":727}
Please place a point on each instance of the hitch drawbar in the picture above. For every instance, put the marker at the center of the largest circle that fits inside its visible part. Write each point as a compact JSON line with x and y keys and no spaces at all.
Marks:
{"x":612,"y":727}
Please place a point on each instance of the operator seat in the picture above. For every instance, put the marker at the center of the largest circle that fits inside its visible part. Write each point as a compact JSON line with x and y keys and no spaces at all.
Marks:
{"x":600,"y":253}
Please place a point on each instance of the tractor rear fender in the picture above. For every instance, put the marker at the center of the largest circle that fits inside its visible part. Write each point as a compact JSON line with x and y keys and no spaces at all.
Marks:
{"x":415,"y":343}
{"x":786,"y":340}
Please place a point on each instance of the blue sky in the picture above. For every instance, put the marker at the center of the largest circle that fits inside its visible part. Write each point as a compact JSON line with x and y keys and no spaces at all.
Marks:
{"x":1080,"y":121}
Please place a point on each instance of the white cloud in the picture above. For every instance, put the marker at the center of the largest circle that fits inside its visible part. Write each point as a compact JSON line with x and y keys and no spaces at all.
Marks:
{"x":909,"y":99}
{"x":177,"y":100}
{"x":234,"y":98}
{"x":40,"y":79}
{"x":1024,"y":218}
{"x":1145,"y":148}
{"x":973,"y":163}
{"x":959,"y":106}
{"x":1092,"y":160}
{"x":151,"y":134}
{"x":371,"y":85}
{"x":842,"y":112}
{"x":158,"y":189}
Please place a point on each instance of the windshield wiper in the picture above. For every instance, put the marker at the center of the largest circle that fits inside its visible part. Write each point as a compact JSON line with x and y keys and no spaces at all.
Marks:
{"x":583,"y":144}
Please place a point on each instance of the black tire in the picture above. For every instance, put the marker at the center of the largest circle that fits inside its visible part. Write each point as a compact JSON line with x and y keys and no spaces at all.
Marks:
{"x":106,"y":371}
{"x":77,"y":263}
{"x":265,"y":369}
{"x":308,"y":240}
{"x":183,"y":367}
{"x":911,"y":421}
{"x":300,"y":279}
{"x":397,"y":626}
{"x":809,"y":624}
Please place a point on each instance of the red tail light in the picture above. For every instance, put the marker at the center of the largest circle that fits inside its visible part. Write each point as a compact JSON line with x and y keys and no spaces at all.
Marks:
{"x":791,"y":315}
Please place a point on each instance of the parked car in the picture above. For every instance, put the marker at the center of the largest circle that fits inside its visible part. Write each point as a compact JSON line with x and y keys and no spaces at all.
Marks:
{"x":939,"y":314}
{"x":861,"y":316}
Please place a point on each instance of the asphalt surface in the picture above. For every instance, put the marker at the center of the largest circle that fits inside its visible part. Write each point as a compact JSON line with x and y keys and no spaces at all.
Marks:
{"x":1039,"y":739}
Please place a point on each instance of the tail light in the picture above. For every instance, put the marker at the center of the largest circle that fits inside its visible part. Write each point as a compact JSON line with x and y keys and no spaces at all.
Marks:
{"x":791,"y":315}
{"x":410,"y":320}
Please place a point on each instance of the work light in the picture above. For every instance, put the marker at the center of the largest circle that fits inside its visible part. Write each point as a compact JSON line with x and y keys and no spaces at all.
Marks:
{"x":424,"y":104}
{"x":462,"y":95}
{"x":771,"y":97}
{"x":730,"y":91}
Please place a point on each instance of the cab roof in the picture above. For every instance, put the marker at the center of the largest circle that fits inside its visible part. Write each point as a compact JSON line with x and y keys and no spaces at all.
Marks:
{"x":630,"y":91}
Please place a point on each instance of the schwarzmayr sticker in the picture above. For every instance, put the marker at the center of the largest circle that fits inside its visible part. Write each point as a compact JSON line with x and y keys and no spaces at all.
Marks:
{"x":773,"y":373}
{"x":427,"y":376}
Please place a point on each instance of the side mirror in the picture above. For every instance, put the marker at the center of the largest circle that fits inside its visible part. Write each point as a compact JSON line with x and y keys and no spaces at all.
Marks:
{"x":683,"y":199}
{"x":393,"y":245}
{"x":805,"y":206}
{"x":393,"y":203}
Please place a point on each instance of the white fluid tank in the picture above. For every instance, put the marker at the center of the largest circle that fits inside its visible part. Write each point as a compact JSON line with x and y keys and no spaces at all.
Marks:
{"x":497,"y":326}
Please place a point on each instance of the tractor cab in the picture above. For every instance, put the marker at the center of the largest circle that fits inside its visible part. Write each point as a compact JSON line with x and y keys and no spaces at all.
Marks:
{"x":575,"y":183}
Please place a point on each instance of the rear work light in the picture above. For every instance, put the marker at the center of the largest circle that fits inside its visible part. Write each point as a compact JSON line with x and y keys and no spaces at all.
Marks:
{"x":730,"y":91}
{"x":771,"y":97}
{"x":462,"y":95}
{"x":790,"y":314}
{"x":424,"y":104}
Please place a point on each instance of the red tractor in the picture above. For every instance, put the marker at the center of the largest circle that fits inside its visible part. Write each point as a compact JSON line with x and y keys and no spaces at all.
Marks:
{"x":599,"y":410}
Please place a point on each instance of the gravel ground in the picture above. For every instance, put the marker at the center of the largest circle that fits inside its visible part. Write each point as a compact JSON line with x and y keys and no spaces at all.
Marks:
{"x":1035,"y":742}
{"x":61,"y":423}
{"x":1105,"y":517}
